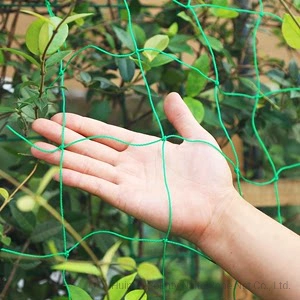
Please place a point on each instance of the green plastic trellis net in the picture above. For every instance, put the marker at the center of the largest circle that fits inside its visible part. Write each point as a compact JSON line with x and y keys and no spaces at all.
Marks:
{"x":254,"y":94}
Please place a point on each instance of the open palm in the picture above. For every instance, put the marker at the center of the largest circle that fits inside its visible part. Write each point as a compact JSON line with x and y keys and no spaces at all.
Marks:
{"x":193,"y":184}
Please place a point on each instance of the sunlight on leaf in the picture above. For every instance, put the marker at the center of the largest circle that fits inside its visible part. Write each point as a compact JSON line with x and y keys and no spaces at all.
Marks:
{"x":127,"y":263}
{"x":291,"y":31}
{"x":159,"y":42}
{"x":78,"y":294}
{"x":119,"y":289}
{"x":78,"y":267}
{"x":107,"y":258}
{"x":4,"y":193}
{"x":149,"y":271}
{"x":136,"y":295}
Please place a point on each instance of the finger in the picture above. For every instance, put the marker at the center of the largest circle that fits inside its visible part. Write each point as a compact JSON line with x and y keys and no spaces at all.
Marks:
{"x":89,"y":127}
{"x":76,"y":162}
{"x":53,"y":131}
{"x":182,"y":119}
{"x":102,"y":188}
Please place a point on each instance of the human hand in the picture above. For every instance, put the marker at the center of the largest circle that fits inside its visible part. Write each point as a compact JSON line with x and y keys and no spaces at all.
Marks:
{"x":131,"y":178}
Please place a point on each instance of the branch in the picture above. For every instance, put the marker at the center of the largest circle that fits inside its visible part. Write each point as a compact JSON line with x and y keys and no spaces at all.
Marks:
{"x":43,"y":57}
{"x":13,"y":272}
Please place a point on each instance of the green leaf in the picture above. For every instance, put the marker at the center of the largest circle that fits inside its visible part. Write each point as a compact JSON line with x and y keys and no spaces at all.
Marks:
{"x":278,"y":76}
{"x":100,"y":110}
{"x":194,"y":294}
{"x":141,"y":89}
{"x":3,"y":238}
{"x":136,"y":295}
{"x":160,"y":111}
{"x":291,"y":31}
{"x":46,"y":32}
{"x":297,"y":3}
{"x":161,"y":59}
{"x":110,"y":40}
{"x":293,"y":70}
{"x":149,"y":271}
{"x":197,"y":80}
{"x":159,"y":42}
{"x":196,"y":107}
{"x":57,"y":58}
{"x":6,"y":240}
{"x":20,"y":53}
{"x":145,"y":65}
{"x":248,"y":83}
{"x":78,"y":267}
{"x":26,"y":221}
{"x":85,"y":77}
{"x":41,"y":17}
{"x":32,"y":36}
{"x":173,"y":29}
{"x":2,"y":60}
{"x":220,"y":2}
{"x":4,"y":193}
{"x":76,"y":17}
{"x":178,"y":44}
{"x":107,"y":258}
{"x":296,"y":132}
{"x":105,"y":83}
{"x":126,"y":67}
{"x":45,"y":231}
{"x":77,"y":293}
{"x":119,"y":289}
{"x":183,"y":15}
{"x":46,"y":179}
{"x":210,"y":117}
{"x":213,"y":42}
{"x":224,"y":13}
{"x":187,"y":18}
{"x":138,"y":33}
{"x":124,"y":37}
{"x":127,"y":263}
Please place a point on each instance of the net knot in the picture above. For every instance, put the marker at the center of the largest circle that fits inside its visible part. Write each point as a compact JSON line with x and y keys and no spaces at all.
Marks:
{"x":67,"y":254}
{"x":61,"y":147}
{"x":261,"y":14}
{"x":237,"y":171}
{"x":164,"y":138}
{"x":217,"y":83}
{"x":61,"y":73}
{"x":276,"y":178}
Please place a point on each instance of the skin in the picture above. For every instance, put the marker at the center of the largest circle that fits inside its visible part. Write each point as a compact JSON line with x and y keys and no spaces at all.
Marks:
{"x":206,"y":209}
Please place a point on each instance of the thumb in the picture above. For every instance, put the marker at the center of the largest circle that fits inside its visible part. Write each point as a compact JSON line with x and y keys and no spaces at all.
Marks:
{"x":182,"y":119}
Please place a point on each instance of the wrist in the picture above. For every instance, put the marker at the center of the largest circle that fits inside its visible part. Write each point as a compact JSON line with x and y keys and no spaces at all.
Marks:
{"x":221,"y":215}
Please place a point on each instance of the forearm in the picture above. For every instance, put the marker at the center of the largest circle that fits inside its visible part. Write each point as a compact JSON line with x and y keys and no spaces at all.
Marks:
{"x":261,"y":254}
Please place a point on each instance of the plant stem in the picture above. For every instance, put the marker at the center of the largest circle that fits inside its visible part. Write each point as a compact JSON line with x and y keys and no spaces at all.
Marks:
{"x":13,"y":272}
{"x":44,"y":54}
{"x":18,"y":188}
